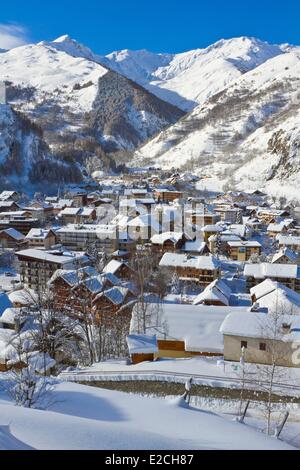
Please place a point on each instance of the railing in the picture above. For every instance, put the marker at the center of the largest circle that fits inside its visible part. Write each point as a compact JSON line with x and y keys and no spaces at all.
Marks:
{"x":152,"y":375}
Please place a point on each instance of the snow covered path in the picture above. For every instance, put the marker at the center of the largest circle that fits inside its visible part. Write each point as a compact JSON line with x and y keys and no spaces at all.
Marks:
{"x":205,"y":371}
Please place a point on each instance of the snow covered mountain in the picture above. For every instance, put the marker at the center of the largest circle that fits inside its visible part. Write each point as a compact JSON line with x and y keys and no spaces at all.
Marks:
{"x":247,"y":134}
{"x":83,"y":109}
{"x":192,"y":77}
{"x":241,"y":95}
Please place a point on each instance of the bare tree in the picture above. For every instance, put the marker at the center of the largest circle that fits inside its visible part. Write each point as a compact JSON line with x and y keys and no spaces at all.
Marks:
{"x":273,"y":327}
{"x":23,"y":383}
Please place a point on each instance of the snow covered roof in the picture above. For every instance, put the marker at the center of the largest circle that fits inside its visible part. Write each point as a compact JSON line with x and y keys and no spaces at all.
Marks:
{"x":116,"y":294}
{"x":290,"y":254}
{"x":276,"y":297}
{"x":277,"y":227}
{"x":86,"y":211}
{"x":246,"y":244}
{"x":225,"y":237}
{"x":197,"y":245}
{"x":188,"y":261}
{"x":52,"y":256}
{"x":24,"y":296}
{"x":262,"y":270}
{"x":288,"y":240}
{"x":70,"y":211}
{"x":197,"y":325}
{"x":139,"y":344}
{"x":216,"y":291}
{"x":145,"y":221}
{"x":239,"y":229}
{"x":112,"y":267}
{"x":74,"y":277}
{"x":14,"y":233}
{"x":161,"y":238}
{"x":37,"y":233}
{"x":101,"y":231}
{"x":9,"y":315}
{"x":212,"y":228}
{"x":264,"y":288}
{"x":259,"y":325}
{"x":7,"y":195}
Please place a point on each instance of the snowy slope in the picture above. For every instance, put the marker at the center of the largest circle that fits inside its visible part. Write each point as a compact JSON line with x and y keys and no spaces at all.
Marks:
{"x":89,"y":418}
{"x":248,"y":133}
{"x":190,"y":78}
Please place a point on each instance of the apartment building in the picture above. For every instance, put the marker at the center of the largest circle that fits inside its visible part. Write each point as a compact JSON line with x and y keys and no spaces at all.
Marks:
{"x":243,"y":250}
{"x":38,"y":266}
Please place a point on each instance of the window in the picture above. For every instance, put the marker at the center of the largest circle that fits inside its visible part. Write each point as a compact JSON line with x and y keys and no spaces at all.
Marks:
{"x":262,"y":346}
{"x":244,"y":344}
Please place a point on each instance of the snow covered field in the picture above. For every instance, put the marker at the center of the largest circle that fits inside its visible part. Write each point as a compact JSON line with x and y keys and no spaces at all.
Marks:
{"x":89,"y":418}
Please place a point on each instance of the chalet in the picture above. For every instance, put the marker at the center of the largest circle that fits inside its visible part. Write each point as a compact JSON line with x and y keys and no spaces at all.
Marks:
{"x":9,"y":206}
{"x":111,"y":301}
{"x":200,"y":269}
{"x":288,"y":241}
{"x":254,"y":332}
{"x":11,"y":215}
{"x":168,"y":241}
{"x":45,"y":207}
{"x":220,"y":242}
{"x":119,"y":269}
{"x":61,"y":204}
{"x":276,"y":297}
{"x":275,"y":228}
{"x":166,"y":195}
{"x":39,"y":237}
{"x":243,"y":250}
{"x":216,"y":293}
{"x":78,"y":215}
{"x":286,"y":256}
{"x":38,"y":266}
{"x":11,"y":238}
{"x":20,"y":221}
{"x":68,"y":285}
{"x":79,"y":197}
{"x":287,"y":274}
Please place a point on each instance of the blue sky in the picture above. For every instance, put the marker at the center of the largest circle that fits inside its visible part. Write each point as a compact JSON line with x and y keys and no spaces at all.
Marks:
{"x":157,"y":25}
